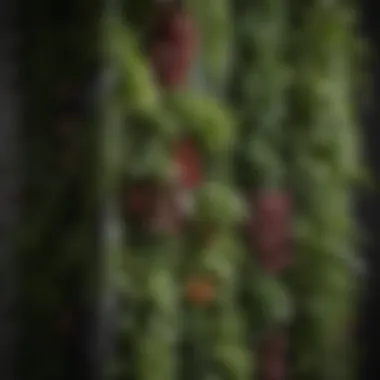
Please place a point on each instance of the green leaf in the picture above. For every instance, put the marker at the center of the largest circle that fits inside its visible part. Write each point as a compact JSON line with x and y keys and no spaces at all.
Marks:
{"x":234,"y":361}
{"x":273,"y":300}
{"x":204,"y":117}
{"x":217,"y":204}
{"x":136,"y":81}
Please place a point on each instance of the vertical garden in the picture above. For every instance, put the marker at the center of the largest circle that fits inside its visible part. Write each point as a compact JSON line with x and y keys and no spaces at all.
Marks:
{"x":204,"y":208}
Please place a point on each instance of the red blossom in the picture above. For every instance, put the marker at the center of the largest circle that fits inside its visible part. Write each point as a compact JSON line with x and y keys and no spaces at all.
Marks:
{"x":274,"y":350}
{"x":200,"y":291}
{"x":156,"y":206}
{"x":163,"y":207}
{"x":173,"y":48}
{"x":189,"y":164}
{"x":274,"y":368}
{"x":270,"y":229}
{"x":168,"y":214}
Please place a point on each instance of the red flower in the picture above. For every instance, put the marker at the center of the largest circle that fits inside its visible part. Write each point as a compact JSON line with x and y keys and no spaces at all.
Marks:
{"x":173,"y":48}
{"x":274,"y":350}
{"x":274,"y":368}
{"x":189,"y":164}
{"x":200,"y":291}
{"x":167,"y":216}
{"x":164,"y":207}
{"x":270,"y":230}
{"x":157,"y":206}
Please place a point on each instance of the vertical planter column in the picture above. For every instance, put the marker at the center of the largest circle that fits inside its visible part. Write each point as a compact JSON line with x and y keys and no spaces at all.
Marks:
{"x":258,"y":93}
{"x":146,"y":273}
{"x":325,"y":166}
{"x":213,"y":331}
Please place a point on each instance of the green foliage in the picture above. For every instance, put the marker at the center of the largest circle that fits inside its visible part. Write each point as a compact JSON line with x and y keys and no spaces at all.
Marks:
{"x":216,"y":28}
{"x":218,"y":205}
{"x":287,"y":125}
{"x":324,"y":167}
{"x":137,"y":89}
{"x":205,"y":118}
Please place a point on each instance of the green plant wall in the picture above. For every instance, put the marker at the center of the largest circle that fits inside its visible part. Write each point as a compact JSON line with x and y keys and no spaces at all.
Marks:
{"x":219,"y":172}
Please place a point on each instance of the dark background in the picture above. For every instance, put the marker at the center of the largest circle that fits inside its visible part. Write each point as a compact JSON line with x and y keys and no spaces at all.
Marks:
{"x":8,"y":181}
{"x":370,"y":205}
